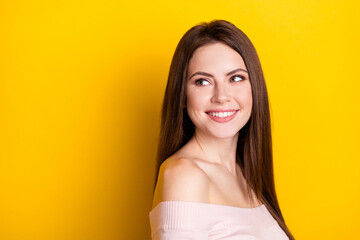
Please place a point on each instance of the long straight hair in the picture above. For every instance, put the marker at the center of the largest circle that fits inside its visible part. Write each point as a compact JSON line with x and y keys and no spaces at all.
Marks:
{"x":254,"y":149}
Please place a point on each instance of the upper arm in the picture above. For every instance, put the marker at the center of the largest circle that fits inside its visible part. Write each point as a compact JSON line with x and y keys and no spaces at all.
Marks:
{"x":181,"y":180}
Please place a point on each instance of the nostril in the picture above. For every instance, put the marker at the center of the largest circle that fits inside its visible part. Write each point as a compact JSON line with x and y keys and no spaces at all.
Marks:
{"x":221,"y":99}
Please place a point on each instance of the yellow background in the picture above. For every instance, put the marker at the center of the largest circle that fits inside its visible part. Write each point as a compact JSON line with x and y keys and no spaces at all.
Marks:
{"x":81,"y":86}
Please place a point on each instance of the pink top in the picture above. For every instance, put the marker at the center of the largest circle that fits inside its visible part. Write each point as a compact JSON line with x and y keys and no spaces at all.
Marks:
{"x":180,"y":220}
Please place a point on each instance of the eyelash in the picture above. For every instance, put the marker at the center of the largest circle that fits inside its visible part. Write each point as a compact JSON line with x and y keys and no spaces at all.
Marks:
{"x":243,"y":78}
{"x":197,"y":81}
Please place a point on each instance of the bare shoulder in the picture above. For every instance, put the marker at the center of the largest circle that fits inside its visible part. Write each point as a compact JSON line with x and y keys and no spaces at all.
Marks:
{"x":181,"y":179}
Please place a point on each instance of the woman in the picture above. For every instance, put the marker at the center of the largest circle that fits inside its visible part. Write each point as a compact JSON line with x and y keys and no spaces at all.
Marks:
{"x":215,"y":171}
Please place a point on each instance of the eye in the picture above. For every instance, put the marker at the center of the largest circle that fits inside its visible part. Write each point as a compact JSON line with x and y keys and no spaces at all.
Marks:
{"x":237,"y":78}
{"x":202,"y":82}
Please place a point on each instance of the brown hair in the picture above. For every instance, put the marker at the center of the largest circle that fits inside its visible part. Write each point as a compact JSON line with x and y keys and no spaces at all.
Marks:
{"x":254,"y":150}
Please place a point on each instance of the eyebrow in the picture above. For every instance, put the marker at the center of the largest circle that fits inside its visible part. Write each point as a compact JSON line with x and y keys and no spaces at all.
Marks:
{"x":210,"y":75}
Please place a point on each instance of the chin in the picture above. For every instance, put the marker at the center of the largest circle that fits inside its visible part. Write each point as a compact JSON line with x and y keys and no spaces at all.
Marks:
{"x":224,"y":134}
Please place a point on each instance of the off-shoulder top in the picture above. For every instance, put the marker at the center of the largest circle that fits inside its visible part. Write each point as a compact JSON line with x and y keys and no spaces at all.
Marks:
{"x":180,"y":220}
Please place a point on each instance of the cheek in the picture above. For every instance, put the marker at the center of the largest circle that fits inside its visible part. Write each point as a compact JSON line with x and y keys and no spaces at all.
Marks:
{"x":196,"y":106}
{"x":196,"y":99}
{"x":248,"y":99}
{"x":244,"y":98}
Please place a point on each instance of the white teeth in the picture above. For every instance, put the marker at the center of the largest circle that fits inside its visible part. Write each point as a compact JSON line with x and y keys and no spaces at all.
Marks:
{"x":222,"y":114}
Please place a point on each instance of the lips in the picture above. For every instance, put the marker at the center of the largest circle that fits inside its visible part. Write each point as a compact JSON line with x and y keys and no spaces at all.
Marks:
{"x":222,"y":116}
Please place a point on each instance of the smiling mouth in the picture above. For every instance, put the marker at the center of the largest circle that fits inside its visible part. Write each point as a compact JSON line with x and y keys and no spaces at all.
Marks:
{"x":223,"y":114}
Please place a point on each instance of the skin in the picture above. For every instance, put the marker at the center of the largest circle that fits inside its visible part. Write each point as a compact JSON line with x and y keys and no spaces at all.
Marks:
{"x":205,"y":169}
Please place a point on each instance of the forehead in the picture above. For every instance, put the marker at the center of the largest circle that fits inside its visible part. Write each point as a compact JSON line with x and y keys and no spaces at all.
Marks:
{"x":215,"y":57}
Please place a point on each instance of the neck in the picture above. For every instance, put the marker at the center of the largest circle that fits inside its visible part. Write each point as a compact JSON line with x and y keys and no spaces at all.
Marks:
{"x":216,"y":150}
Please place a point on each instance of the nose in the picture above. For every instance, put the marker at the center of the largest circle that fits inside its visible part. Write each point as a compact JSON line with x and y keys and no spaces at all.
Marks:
{"x":221,"y":94}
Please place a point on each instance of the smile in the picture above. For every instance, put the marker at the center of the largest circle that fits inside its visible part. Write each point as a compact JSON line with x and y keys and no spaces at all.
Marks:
{"x":222,"y":116}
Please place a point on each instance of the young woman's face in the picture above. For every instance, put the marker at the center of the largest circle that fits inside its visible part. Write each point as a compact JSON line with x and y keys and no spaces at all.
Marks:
{"x":218,"y":91}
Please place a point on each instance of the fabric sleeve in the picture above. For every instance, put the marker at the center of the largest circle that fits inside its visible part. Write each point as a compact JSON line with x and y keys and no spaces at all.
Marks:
{"x":179,"y":221}
{"x":179,"y":234}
